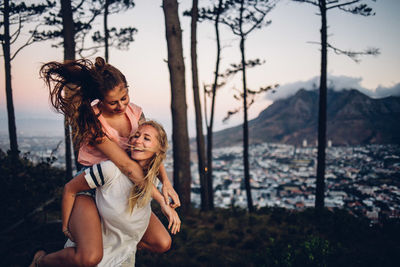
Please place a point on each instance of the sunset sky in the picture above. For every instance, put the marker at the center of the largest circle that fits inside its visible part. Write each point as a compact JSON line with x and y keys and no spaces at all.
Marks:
{"x":290,"y":59}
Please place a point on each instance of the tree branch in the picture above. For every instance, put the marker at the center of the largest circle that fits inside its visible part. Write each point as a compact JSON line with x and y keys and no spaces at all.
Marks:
{"x":306,"y":1}
{"x":343,"y":4}
{"x":16,"y":34}
{"x":354,"y":55}
{"x":28,"y":42}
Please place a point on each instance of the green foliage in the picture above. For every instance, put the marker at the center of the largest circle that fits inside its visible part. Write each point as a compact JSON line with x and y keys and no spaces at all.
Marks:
{"x":278,"y":237}
{"x":224,"y":237}
{"x":24,"y":186}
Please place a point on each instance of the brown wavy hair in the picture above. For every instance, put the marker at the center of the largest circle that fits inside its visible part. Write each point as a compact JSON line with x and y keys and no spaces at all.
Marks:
{"x":73,"y":86}
{"x":141,"y":195}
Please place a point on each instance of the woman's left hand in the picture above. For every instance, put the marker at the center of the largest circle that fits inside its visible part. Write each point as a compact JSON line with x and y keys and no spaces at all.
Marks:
{"x":173,"y":218}
{"x":67,"y":234}
{"x":168,"y":191}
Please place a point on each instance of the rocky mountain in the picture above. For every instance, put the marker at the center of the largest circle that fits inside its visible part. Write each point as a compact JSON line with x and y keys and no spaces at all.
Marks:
{"x":352,"y":118}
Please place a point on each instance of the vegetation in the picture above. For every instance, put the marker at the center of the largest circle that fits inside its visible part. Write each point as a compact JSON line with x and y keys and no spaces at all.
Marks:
{"x":30,"y":207}
{"x":279,"y":237}
{"x":223,"y":237}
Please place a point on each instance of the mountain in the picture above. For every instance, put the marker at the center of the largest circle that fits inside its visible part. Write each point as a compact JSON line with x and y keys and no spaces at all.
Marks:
{"x":353,"y":119}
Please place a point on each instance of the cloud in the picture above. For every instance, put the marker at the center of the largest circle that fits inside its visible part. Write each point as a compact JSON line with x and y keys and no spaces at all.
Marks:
{"x":337,"y":83}
{"x":387,"y":91}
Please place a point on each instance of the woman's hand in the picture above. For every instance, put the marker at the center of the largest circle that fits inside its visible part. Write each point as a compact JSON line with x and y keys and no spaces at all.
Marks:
{"x":67,"y":233}
{"x":168,"y":191}
{"x":174,"y":222}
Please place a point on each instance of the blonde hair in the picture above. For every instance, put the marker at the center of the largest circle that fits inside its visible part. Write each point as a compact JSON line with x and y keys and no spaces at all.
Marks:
{"x":141,"y":195}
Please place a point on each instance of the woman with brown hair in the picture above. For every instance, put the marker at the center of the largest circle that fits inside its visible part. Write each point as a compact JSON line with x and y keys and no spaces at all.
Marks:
{"x":100,"y":131}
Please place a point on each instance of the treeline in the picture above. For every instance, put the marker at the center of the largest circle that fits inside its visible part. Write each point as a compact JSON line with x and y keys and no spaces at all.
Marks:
{"x":70,"y":25}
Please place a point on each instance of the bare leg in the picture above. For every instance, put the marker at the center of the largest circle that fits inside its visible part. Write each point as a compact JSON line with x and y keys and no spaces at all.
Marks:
{"x":37,"y":257}
{"x":156,"y":238}
{"x":85,"y":228}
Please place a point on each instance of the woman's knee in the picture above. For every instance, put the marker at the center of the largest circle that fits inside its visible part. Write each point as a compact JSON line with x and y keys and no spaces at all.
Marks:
{"x":164,"y":244}
{"x":89,"y":258}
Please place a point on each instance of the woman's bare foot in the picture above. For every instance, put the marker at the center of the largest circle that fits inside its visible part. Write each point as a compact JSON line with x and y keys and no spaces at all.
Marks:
{"x":37,"y":257}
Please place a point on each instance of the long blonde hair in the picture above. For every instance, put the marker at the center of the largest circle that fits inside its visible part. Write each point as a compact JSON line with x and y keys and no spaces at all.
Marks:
{"x":141,"y":195}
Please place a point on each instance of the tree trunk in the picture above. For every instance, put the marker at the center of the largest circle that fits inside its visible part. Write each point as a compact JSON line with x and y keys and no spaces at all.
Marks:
{"x":106,"y":33}
{"x":210,"y":189}
{"x":199,"y":120}
{"x":69,"y":54}
{"x":180,"y":139}
{"x":320,"y":187}
{"x":12,"y":131}
{"x":245,"y":121}
{"x":68,"y":30}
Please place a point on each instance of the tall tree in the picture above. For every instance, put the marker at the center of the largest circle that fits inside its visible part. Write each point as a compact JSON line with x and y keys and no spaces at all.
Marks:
{"x":73,"y":22}
{"x":180,"y":139}
{"x":16,"y":14}
{"x":212,"y":14}
{"x":106,"y":32}
{"x":119,"y":38}
{"x":83,"y":16}
{"x":69,"y":54}
{"x":353,"y":7}
{"x":244,"y":17}
{"x":197,"y":106}
{"x":60,"y":23}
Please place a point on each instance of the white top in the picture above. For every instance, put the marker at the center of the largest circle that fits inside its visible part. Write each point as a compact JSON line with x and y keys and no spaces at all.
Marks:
{"x":121,"y":229}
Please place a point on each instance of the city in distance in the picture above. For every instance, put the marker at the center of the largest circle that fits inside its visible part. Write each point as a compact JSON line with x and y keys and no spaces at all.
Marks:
{"x":362,"y":164}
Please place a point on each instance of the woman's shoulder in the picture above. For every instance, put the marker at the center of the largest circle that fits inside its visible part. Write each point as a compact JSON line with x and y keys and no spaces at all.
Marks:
{"x":95,"y":108}
{"x":135,"y":111}
{"x":108,"y":170}
{"x":135,"y":108}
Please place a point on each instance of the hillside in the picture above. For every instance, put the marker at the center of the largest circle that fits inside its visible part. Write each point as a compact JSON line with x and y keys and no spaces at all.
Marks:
{"x":224,"y":237}
{"x":353,"y":119}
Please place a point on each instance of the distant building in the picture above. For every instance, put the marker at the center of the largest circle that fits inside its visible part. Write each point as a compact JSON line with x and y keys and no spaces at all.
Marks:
{"x":304,"y":143}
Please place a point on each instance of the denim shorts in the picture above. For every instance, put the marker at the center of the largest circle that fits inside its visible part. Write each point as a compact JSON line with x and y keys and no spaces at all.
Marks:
{"x":90,"y":192}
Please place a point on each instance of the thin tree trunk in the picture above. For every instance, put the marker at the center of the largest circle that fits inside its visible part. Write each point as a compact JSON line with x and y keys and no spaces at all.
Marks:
{"x":199,"y":120}
{"x":210,"y":126}
{"x":320,"y":187}
{"x":69,"y":54}
{"x":180,"y":139}
{"x":68,"y":30}
{"x":245,"y":121}
{"x":12,"y":131}
{"x":106,"y":33}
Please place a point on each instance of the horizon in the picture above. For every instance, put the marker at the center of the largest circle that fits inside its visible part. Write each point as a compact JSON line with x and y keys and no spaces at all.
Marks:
{"x":290,"y":59}
{"x":52,"y":126}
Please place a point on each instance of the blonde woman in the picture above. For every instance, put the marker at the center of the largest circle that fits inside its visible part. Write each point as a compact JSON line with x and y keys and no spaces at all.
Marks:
{"x":124,"y":206}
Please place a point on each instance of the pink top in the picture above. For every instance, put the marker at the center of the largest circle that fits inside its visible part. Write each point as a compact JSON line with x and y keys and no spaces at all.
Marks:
{"x":90,"y":155}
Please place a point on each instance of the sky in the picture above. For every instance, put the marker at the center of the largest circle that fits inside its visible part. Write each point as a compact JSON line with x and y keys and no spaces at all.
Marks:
{"x":291,"y":59}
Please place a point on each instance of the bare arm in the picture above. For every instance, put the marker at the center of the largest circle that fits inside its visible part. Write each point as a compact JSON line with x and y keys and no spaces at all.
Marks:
{"x":167,"y":189}
{"x":174,"y":223}
{"x":77,"y":184}
{"x":121,"y":159}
